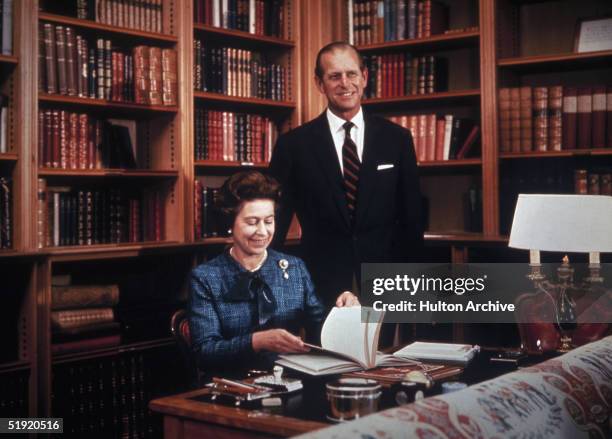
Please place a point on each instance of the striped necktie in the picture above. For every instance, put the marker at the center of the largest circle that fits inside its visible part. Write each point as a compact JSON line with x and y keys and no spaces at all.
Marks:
{"x":351,"y":165}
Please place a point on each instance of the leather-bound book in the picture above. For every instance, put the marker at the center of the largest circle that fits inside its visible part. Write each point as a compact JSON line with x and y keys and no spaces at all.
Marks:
{"x":63,"y":136}
{"x":55,"y":136}
{"x":584,"y":117}
{"x":580,"y":182}
{"x":81,"y":217}
{"x":169,"y":77}
{"x":100,"y":71}
{"x":540,"y":118}
{"x":598,"y":117}
{"x":555,"y":117}
{"x":73,"y":140}
{"x":71,"y":62}
{"x":515,"y":119}
{"x":42,"y":148}
{"x":108,"y":69}
{"x":50,"y":58}
{"x":48,"y":134}
{"x":42,"y":65}
{"x":141,"y":74}
{"x":83,"y":158}
{"x":440,"y":130}
{"x":505,"y":143}
{"x":155,"y":72}
{"x":568,"y":123}
{"x":526,"y":122}
{"x":60,"y":49}
{"x":421,"y":149}
{"x":430,"y":142}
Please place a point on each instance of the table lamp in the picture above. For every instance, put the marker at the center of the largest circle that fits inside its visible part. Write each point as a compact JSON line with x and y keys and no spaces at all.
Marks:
{"x":562,"y":223}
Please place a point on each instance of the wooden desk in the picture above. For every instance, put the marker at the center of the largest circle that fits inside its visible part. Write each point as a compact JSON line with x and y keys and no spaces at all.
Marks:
{"x":303,"y":411}
{"x":188,"y":418}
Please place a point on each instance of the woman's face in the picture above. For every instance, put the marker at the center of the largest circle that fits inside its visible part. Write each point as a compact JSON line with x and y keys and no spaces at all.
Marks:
{"x":254,"y":227}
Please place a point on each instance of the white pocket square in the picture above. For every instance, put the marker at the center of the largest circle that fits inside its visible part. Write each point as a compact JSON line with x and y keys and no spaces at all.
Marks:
{"x":385,"y":166}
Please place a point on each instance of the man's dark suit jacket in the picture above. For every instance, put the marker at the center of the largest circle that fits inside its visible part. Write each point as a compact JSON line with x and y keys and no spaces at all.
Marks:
{"x":387,"y":224}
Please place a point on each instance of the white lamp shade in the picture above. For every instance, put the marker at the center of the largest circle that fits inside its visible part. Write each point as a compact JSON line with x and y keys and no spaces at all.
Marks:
{"x":562,"y":223}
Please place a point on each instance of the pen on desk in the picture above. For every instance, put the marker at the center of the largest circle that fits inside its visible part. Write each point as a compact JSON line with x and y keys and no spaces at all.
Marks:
{"x":233,"y":383}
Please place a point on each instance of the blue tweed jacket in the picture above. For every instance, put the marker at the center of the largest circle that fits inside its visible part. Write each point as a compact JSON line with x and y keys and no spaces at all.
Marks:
{"x":222,"y":329}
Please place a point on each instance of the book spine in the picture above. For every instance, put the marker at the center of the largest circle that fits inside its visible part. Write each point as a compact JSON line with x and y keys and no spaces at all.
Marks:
{"x":584,"y":117}
{"x":570,"y":110}
{"x":505,"y":143}
{"x":555,"y":118}
{"x":515,"y":119}
{"x":60,"y":48}
{"x":540,"y":118}
{"x":599,"y":117}
{"x":526,"y":120}
{"x":84,"y":296}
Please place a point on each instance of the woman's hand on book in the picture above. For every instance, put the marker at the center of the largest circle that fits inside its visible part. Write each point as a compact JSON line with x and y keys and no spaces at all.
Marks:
{"x":347,"y":299}
{"x":278,"y":340}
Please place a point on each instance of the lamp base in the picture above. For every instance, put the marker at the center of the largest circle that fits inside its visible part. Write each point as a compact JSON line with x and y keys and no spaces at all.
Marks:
{"x":566,"y":344}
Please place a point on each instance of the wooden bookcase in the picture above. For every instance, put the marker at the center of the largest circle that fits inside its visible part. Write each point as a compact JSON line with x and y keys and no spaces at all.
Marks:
{"x":507,"y":49}
{"x":527,"y":55}
{"x":513,"y":46}
{"x":463,"y":97}
{"x":284,"y":113}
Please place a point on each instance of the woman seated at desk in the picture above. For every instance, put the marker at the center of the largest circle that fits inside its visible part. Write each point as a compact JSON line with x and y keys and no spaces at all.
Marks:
{"x":247,"y":304}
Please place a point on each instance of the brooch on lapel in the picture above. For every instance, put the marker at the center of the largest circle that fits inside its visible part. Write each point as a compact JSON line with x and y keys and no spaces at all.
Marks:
{"x":284,"y":264}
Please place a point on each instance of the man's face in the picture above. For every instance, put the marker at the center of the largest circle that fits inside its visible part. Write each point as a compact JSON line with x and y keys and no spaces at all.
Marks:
{"x":342,"y":82}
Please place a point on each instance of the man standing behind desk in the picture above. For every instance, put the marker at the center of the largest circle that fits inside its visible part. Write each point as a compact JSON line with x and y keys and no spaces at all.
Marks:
{"x":351,"y":178}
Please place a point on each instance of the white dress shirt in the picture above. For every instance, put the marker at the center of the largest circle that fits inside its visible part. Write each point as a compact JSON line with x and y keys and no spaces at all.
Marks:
{"x":337,"y":132}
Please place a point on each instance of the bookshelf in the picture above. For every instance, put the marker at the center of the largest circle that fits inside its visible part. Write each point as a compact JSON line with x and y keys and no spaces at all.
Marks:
{"x":150,"y":267}
{"x":391,"y":49}
{"x":229,"y":98}
{"x":493,"y":44}
{"x":529,"y":60}
{"x":43,"y":371}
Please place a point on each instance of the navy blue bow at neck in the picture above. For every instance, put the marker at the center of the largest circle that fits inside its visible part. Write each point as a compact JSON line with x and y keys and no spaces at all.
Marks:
{"x":249,"y":284}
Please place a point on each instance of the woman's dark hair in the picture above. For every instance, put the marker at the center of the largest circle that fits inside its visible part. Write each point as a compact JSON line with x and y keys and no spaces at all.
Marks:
{"x":243,"y":187}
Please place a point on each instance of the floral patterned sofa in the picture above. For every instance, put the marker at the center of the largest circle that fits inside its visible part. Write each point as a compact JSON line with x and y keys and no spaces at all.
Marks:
{"x":566,"y":397}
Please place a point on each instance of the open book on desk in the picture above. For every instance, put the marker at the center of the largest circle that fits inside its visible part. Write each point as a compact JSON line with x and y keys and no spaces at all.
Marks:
{"x":347,"y":344}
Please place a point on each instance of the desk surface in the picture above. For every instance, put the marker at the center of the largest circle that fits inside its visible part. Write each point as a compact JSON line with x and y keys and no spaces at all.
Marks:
{"x":301,"y":411}
{"x":272,"y":421}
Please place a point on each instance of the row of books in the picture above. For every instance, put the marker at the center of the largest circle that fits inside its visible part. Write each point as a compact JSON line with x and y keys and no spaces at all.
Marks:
{"x":207,"y":220}
{"x":237,"y":72}
{"x":377,"y":21}
{"x":4,"y":123}
{"x":259,"y":17}
{"x":441,"y":138}
{"x":6,"y":223}
{"x":555,"y":118}
{"x":6,"y":27}
{"x":71,"y":65}
{"x":593,"y":183}
{"x":14,"y":398}
{"x":146,"y":15}
{"x":68,"y":140}
{"x":83,"y":313}
{"x":401,"y":74}
{"x":108,"y":396}
{"x":223,"y":135}
{"x":67,"y":216}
